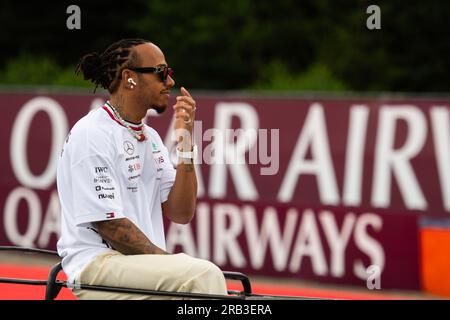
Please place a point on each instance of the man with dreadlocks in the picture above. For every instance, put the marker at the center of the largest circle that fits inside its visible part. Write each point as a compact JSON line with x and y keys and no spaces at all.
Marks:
{"x":115,"y":182}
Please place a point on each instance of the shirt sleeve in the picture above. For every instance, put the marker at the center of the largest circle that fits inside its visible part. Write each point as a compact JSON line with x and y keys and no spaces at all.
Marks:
{"x":96,"y":191}
{"x":168,"y":175}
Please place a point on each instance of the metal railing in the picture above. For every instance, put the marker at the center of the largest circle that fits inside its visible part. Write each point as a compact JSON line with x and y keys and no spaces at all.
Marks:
{"x":54,"y":286}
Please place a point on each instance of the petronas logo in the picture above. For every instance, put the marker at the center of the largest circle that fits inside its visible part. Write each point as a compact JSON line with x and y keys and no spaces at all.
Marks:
{"x":154,"y":146}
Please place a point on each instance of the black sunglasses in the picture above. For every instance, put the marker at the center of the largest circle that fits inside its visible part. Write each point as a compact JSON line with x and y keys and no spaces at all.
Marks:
{"x":162,"y":71}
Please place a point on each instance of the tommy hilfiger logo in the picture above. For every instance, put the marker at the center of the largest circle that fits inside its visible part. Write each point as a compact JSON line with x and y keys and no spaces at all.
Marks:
{"x":110,"y":215}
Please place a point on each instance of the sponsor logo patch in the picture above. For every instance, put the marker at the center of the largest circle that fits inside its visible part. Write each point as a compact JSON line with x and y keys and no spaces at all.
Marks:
{"x":132,"y":189}
{"x":132,"y":158}
{"x":134,"y":167}
{"x":133,"y":177}
{"x":106,"y":196}
{"x":98,"y":188}
{"x":101,"y":169}
{"x":128,"y":147}
{"x":159,"y":160}
{"x":102,"y":179}
{"x":110,"y":215}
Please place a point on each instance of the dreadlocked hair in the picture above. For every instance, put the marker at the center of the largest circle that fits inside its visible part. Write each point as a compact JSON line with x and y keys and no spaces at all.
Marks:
{"x":105,"y":69}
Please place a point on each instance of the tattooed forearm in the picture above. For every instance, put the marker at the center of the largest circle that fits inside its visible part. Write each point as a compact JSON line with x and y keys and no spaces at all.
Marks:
{"x":126,"y":238}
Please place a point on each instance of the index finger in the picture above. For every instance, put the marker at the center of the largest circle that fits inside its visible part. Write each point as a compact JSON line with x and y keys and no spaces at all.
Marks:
{"x":185,"y":92}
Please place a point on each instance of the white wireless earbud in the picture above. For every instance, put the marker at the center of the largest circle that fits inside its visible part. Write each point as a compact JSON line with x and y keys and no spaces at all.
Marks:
{"x":131,"y":81}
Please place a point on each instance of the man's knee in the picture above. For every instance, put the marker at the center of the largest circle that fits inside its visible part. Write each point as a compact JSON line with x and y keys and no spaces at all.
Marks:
{"x":205,"y":278}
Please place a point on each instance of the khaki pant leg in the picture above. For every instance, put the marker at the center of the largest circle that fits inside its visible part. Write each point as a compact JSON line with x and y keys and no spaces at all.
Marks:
{"x":177,"y":272}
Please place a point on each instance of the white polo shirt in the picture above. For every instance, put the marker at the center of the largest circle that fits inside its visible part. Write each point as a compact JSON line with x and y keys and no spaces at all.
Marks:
{"x":105,"y":173}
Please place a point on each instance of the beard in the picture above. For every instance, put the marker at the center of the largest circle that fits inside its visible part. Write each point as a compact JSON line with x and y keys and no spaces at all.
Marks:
{"x":159,"y":108}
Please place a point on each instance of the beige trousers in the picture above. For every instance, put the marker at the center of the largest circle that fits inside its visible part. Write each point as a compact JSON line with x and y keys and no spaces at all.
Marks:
{"x":176,"y":272}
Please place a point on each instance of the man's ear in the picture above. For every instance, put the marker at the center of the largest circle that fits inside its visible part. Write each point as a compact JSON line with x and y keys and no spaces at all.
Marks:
{"x":126,"y":74}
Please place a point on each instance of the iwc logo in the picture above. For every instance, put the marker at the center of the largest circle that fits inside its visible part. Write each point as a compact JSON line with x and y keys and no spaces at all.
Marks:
{"x":128,"y":147}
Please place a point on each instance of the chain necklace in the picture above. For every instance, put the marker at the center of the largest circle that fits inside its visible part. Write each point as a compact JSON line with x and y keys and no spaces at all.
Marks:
{"x":137,"y":134}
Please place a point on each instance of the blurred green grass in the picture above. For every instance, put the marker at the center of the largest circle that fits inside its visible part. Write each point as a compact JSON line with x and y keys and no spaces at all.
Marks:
{"x":27,"y":69}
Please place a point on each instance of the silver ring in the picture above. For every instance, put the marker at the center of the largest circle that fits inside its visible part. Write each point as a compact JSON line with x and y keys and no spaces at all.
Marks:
{"x":187,"y":122}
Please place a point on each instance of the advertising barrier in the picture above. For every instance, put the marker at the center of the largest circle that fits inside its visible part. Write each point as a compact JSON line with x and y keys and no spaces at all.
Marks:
{"x":313,"y":189}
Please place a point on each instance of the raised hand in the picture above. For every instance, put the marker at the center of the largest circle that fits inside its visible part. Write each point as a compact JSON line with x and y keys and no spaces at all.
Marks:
{"x":184,"y":119}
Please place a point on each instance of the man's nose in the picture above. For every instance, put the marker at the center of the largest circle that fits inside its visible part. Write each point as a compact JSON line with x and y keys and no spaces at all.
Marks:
{"x":170,"y":82}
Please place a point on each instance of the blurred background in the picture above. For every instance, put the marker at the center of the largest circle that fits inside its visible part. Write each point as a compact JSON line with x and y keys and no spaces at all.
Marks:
{"x":310,"y":69}
{"x":240,"y":44}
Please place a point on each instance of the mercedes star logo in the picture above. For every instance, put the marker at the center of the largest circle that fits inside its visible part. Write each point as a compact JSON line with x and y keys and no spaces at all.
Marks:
{"x":128,"y":147}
